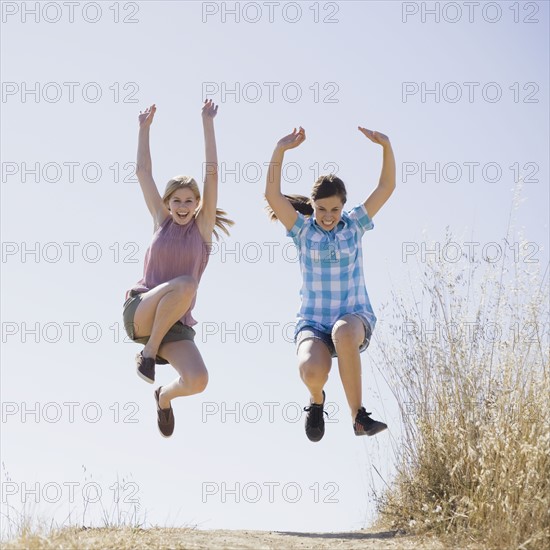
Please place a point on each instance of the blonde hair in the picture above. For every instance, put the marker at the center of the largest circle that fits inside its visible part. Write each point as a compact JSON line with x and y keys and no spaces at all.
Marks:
{"x":187,"y":182}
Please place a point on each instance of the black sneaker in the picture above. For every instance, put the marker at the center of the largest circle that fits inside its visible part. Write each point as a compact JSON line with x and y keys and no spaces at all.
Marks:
{"x":146,"y":368}
{"x":364,"y":425}
{"x":315,"y":422}
{"x":165,"y":417}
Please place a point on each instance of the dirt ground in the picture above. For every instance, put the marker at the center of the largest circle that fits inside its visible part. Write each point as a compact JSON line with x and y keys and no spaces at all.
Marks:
{"x":195,"y":539}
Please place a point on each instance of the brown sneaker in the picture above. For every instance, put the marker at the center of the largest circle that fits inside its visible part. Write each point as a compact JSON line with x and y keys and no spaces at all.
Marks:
{"x":146,"y":368}
{"x":165,"y":417}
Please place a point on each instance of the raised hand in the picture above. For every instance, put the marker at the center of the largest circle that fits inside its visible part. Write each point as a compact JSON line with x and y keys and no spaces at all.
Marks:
{"x":146,"y":117}
{"x":375,"y":137}
{"x":209,"y":110}
{"x":292,"y":140}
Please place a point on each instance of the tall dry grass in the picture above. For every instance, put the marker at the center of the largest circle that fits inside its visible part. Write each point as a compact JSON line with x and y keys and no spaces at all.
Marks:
{"x":467,"y":359}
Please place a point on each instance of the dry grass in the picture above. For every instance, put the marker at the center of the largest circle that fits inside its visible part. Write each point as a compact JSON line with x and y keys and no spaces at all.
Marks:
{"x":27,"y":527}
{"x":122,"y":538}
{"x":474,"y":460}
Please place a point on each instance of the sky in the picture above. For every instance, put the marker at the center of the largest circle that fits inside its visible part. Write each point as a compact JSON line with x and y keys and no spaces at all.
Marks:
{"x":461,"y":89}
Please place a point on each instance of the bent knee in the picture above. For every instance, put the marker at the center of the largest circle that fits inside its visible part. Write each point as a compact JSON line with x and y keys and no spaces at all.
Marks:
{"x":196,"y":383}
{"x":345,"y":333}
{"x":184,"y":285}
{"x":313,"y":372}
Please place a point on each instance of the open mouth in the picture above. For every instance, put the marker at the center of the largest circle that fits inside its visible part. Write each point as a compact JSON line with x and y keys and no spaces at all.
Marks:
{"x":182,"y":216}
{"x":327,"y":224}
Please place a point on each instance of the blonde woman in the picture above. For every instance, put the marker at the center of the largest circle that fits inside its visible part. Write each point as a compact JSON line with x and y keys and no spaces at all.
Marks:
{"x":158,"y":309}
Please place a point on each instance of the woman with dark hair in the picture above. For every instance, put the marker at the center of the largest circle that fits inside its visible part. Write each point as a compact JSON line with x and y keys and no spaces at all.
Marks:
{"x":336,"y":318}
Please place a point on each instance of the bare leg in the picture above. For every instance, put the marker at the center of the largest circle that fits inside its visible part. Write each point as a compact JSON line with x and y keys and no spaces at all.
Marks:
{"x":160,"y":308}
{"x":314,"y":361}
{"x":193,"y":376}
{"x":348,"y":334}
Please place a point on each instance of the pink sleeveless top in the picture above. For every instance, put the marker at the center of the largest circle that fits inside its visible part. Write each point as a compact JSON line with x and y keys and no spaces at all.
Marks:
{"x":174,"y":251}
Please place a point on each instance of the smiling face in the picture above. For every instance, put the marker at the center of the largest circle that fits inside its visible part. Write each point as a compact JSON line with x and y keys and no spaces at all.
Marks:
{"x":328,"y":211}
{"x":182,"y":205}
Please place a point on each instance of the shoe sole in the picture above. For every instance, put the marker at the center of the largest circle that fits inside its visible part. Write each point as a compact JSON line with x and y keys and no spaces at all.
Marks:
{"x":374,"y":431}
{"x":314,"y":437}
{"x":143,"y":377}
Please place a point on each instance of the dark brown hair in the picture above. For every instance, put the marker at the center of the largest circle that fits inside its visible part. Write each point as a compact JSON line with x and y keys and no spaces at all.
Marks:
{"x":324,"y":187}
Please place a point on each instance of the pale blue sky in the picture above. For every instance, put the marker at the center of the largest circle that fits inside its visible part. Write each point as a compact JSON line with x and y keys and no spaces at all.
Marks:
{"x":169,"y":54}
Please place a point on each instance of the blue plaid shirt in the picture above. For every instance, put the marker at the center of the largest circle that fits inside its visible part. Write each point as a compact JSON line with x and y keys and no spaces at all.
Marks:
{"x":332,"y":270}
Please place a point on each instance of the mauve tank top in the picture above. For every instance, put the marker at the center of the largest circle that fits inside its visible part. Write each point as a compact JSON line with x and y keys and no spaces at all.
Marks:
{"x":174,"y":251}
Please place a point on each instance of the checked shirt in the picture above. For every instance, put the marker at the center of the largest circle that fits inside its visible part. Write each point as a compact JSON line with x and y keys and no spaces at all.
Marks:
{"x":331,"y":263}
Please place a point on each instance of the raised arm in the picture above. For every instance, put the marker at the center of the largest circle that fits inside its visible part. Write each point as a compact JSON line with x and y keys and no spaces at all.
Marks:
{"x":144,"y":170}
{"x":386,"y":184}
{"x":279,"y":203}
{"x":206,"y":218}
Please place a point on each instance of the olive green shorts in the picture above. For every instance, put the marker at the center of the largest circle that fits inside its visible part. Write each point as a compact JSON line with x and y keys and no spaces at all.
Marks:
{"x":178,"y":331}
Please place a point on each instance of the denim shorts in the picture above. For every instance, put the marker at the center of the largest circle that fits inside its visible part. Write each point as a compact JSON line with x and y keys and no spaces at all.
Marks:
{"x":178,"y":331}
{"x":309,"y":333}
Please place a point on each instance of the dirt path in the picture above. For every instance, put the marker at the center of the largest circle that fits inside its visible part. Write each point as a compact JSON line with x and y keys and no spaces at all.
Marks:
{"x":194,"y":539}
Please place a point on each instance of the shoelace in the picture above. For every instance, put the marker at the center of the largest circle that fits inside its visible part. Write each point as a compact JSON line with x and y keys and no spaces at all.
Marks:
{"x":316,"y":413}
{"x":362,"y":415}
